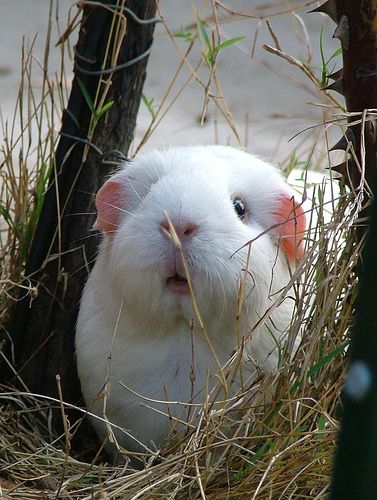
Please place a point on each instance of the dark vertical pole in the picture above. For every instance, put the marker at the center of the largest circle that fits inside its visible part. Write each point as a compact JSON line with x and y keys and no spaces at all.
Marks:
{"x":355,"y":471}
{"x":357,"y":81}
{"x":43,"y":329}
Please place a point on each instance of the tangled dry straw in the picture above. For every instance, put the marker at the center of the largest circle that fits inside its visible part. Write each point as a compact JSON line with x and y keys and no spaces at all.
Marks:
{"x":251,"y":448}
{"x":275,"y":440}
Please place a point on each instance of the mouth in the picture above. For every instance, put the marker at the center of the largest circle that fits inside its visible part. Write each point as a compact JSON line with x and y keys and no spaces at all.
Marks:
{"x":177,"y":284}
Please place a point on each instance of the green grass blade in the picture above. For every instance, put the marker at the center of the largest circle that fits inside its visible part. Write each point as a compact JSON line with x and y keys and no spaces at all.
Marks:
{"x":228,"y":43}
{"x":87,"y":96}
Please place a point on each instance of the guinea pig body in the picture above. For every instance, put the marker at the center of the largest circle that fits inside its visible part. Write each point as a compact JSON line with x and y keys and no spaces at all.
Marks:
{"x":143,"y":352}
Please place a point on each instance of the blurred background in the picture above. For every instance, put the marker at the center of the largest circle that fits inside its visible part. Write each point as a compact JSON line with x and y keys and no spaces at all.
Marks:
{"x":262,"y":102}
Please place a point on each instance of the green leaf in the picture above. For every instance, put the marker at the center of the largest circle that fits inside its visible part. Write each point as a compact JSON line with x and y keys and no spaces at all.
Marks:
{"x":324,"y":71}
{"x":266,"y":446}
{"x":209,"y":54}
{"x":229,"y":42}
{"x":87,"y":96}
{"x":323,"y":361}
{"x":7,"y":216}
{"x":149,"y":104}
{"x":204,"y":35}
{"x":102,"y":111}
{"x":40,"y":193}
{"x":322,"y":421}
{"x":187,"y":36}
{"x":209,"y":57}
{"x":337,"y":53}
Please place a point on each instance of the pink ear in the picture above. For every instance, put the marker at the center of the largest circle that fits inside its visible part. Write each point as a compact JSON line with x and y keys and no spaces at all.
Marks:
{"x":293,"y":225}
{"x":109,"y":204}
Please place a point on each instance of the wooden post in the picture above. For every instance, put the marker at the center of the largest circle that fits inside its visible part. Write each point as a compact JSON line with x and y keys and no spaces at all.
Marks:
{"x":111,"y":57}
{"x":357,"y":81}
{"x":355,"y":471}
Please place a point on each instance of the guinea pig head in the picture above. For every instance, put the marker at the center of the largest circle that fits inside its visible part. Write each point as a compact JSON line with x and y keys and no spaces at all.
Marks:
{"x":198,"y":220}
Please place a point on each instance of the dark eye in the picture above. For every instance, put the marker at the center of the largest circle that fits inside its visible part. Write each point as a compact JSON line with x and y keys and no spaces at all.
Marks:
{"x":240,"y":208}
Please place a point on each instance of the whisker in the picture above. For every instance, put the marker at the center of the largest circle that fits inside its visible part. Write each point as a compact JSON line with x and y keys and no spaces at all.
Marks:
{"x":95,"y":234}
{"x":78,"y":213}
{"x":123,"y":210}
{"x":81,"y":191}
{"x":86,"y":265}
{"x":134,"y":190}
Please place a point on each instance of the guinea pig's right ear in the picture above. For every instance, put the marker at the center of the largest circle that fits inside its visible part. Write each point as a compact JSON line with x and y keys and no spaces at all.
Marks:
{"x":109,"y":204}
{"x":292,"y":228}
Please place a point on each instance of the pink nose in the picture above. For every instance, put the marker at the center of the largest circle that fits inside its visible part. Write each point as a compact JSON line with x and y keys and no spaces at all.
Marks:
{"x":185,"y":230}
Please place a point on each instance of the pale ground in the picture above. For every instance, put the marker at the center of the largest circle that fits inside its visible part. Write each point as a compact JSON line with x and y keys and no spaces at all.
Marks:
{"x":267,"y":108}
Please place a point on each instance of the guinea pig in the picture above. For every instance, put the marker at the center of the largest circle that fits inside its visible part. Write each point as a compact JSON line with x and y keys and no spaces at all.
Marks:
{"x":198,"y":242}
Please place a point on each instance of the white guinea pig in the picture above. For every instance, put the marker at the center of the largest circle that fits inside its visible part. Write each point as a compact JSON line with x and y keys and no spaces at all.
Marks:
{"x":198,"y":243}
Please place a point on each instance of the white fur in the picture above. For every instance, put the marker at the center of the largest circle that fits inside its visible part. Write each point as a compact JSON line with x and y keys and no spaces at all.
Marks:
{"x":136,"y":331}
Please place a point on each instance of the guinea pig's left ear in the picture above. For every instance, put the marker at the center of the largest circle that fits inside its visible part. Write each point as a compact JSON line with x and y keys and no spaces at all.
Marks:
{"x":292,"y":226}
{"x":109,"y":204}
